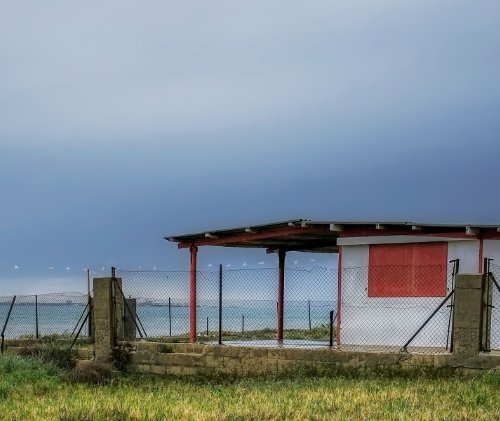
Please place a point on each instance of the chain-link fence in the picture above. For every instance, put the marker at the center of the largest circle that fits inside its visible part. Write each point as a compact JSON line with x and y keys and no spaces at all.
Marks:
{"x":495,"y":309}
{"x":58,"y":317}
{"x":386,"y":308}
{"x":393,"y":307}
{"x":162,"y":307}
{"x":249,"y":305}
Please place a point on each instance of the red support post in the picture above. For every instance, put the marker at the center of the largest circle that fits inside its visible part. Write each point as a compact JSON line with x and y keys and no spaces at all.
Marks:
{"x":281,"y":291}
{"x":192,"y":295}
{"x":339,"y":295}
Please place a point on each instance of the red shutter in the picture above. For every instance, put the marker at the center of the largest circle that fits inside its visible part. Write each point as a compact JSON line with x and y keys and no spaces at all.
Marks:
{"x":408,"y":270}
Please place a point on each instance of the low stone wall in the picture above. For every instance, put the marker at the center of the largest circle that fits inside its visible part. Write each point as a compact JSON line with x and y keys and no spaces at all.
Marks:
{"x":197,"y":359}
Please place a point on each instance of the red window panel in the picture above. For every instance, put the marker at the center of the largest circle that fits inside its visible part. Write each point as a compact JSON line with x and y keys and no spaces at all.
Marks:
{"x":407,"y":270}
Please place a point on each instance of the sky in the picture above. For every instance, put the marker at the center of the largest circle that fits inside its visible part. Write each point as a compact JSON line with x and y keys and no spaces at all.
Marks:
{"x":122,"y":122}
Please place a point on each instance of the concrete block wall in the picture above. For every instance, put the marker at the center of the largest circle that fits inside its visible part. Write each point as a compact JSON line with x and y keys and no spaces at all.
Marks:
{"x":195,"y":359}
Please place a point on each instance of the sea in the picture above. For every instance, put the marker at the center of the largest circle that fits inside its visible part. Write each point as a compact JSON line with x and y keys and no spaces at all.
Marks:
{"x":65,"y":317}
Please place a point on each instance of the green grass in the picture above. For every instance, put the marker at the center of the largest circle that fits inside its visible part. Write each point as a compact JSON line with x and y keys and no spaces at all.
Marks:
{"x":61,"y":340}
{"x":30,"y":389}
{"x":316,"y":333}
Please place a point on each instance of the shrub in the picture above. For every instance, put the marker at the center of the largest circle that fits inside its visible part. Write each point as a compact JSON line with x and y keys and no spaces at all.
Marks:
{"x":120,"y":358}
{"x":51,"y":352}
{"x":89,"y":372}
{"x":62,"y":357}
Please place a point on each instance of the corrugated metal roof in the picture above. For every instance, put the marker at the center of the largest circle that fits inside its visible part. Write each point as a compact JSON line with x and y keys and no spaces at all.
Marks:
{"x":307,"y":222}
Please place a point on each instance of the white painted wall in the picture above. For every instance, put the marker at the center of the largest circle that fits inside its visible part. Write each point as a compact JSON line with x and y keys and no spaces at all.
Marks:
{"x":491,"y":250}
{"x":392,"y":321}
{"x":468,"y":253}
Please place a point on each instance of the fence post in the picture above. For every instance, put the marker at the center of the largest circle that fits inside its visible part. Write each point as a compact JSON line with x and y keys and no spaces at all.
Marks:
{"x":169,"y":317}
{"x":36,"y":317}
{"x":467,"y":315}
{"x":281,"y":292}
{"x":7,"y":321}
{"x":331,"y":328}
{"x":309,"y":312}
{"x":91,"y":318}
{"x":220,"y":304}
{"x":90,"y":305}
{"x":487,"y":306}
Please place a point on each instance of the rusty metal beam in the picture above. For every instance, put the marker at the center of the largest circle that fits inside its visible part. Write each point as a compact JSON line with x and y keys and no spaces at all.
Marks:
{"x":243,"y":237}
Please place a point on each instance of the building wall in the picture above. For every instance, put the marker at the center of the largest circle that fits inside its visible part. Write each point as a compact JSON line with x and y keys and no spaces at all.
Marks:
{"x":467,"y":252}
{"x":391,"y":321}
{"x":491,"y":249}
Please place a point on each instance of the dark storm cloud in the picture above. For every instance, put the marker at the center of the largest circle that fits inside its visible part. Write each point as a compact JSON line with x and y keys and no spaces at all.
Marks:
{"x":122,"y":122}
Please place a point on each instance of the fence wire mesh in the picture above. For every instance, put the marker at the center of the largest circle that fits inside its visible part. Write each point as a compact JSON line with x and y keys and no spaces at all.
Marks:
{"x":381,"y":308}
{"x":162,"y":302}
{"x":249,"y":306}
{"x":495,"y":309}
{"x":310,"y":297}
{"x":53,"y":317}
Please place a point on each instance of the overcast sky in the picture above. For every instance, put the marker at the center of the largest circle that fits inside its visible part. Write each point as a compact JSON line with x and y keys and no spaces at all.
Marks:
{"x":123,"y":121}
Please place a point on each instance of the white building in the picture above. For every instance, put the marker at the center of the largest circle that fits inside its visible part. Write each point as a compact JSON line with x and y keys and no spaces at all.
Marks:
{"x":391,"y":276}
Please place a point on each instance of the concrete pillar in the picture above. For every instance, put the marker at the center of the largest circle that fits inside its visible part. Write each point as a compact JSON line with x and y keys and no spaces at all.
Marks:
{"x":104,"y":338}
{"x":467,"y":315}
{"x":119,"y":309}
{"x":130,"y":331}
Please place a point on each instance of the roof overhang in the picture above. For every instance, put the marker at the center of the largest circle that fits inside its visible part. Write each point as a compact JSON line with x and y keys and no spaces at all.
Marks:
{"x":321,"y":236}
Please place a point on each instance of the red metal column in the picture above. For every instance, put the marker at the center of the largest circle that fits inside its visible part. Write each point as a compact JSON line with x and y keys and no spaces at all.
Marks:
{"x":339,"y":295}
{"x":192,"y":295}
{"x":281,"y":291}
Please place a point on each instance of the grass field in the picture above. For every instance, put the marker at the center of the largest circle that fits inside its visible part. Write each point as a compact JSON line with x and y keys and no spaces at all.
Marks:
{"x":30,"y":389}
